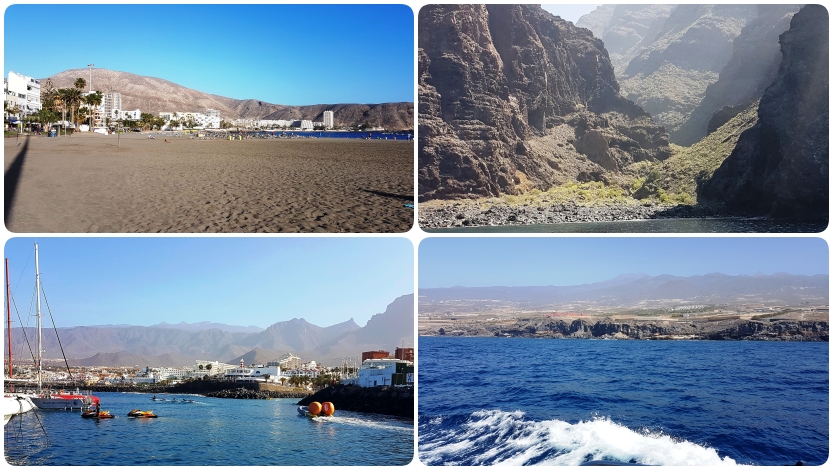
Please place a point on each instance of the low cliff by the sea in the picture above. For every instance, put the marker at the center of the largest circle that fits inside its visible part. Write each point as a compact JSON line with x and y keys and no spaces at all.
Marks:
{"x":386,"y":400}
{"x":713,"y":329}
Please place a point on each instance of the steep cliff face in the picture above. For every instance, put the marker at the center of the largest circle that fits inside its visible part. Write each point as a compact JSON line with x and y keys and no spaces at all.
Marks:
{"x":668,"y":78}
{"x":512,"y":98}
{"x":752,"y":68}
{"x":780,"y":166}
{"x":626,"y":30}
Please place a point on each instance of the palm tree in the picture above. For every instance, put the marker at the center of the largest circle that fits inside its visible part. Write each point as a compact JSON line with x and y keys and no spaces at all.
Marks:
{"x":72,"y":97}
{"x":94,"y":101}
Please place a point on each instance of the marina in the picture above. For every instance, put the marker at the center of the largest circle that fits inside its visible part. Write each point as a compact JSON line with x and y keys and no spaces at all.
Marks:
{"x":261,"y":432}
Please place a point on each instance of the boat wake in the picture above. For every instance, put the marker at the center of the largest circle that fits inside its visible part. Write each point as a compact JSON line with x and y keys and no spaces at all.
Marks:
{"x":378,"y":422}
{"x":497,"y":437}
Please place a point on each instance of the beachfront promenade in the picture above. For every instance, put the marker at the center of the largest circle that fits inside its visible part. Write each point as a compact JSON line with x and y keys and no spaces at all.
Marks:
{"x":88,"y":183}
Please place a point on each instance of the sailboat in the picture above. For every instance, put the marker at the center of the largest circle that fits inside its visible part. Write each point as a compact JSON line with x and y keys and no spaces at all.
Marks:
{"x":13,"y":403}
{"x":45,"y":399}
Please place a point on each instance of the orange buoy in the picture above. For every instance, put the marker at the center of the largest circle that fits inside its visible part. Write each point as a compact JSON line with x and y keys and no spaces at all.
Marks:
{"x":327,"y":408}
{"x":314,"y":408}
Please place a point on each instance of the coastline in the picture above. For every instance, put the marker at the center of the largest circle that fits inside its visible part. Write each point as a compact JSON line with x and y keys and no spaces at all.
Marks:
{"x":470,"y":214}
{"x":606,"y":328}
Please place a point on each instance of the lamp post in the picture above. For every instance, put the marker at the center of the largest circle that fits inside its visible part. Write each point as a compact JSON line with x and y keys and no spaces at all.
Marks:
{"x":91,"y":76}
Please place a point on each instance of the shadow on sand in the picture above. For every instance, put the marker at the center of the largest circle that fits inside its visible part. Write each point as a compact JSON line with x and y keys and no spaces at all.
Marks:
{"x":11,"y":180}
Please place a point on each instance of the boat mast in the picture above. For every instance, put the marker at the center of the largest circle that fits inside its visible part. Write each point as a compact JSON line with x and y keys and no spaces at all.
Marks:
{"x":40,"y":339}
{"x":9,"y":316}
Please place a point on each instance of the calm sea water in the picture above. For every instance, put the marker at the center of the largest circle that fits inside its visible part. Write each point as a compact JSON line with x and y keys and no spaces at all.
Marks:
{"x":711,"y":225}
{"x":212,"y":431}
{"x":563,"y":402}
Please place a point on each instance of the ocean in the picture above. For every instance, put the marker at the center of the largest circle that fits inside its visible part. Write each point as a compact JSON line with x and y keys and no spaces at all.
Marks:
{"x":523,"y":401}
{"x":211,"y":431}
{"x":692,"y":225}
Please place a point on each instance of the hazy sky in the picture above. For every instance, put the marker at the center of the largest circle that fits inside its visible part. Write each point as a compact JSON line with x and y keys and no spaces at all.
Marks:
{"x":237,"y":281}
{"x":518,"y":261}
{"x":281,"y":54}
{"x":570,"y":12}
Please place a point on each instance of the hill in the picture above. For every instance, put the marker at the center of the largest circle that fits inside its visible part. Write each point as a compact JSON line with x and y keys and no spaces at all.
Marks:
{"x":154,"y":95}
{"x":132,"y":345}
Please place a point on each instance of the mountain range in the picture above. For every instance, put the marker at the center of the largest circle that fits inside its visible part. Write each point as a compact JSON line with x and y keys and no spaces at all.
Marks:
{"x":154,"y":95}
{"x":633,"y":290}
{"x":176,"y":345}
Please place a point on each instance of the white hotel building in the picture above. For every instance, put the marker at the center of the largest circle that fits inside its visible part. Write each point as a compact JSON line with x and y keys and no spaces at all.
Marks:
{"x":24,"y":92}
{"x":328,"y":119}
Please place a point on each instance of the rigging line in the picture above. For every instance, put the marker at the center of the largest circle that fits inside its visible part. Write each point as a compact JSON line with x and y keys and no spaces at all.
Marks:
{"x":22,"y":272}
{"x":48,"y":442}
{"x":25,"y":336}
{"x":56,"y":335}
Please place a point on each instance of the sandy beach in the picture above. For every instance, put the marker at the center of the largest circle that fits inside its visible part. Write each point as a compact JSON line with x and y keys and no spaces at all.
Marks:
{"x":85,"y":183}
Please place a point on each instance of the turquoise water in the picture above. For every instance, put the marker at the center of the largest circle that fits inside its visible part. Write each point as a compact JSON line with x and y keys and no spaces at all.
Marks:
{"x":211,"y":431}
{"x":712,"y":225}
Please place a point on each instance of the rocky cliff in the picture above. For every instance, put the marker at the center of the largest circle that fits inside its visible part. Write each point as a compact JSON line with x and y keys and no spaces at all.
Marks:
{"x":724,"y":329}
{"x":153,"y":95}
{"x":512,"y":98}
{"x":626,"y":30}
{"x":668,"y":78}
{"x":755,"y":59}
{"x":780,"y":166}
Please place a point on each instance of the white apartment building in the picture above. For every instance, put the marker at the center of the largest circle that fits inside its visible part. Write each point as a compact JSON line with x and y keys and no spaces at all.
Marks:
{"x":124,"y":114}
{"x":257,"y":373}
{"x":375,"y":372}
{"x":26,"y":92}
{"x":209,"y":120}
{"x":303,"y":124}
{"x":110,"y":101}
{"x":328,"y":119}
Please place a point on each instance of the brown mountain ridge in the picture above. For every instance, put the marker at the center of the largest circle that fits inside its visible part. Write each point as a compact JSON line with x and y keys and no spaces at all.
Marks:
{"x":154,"y":95}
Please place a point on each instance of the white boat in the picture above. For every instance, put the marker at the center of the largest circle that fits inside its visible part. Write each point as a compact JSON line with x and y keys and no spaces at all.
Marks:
{"x":14,"y":405}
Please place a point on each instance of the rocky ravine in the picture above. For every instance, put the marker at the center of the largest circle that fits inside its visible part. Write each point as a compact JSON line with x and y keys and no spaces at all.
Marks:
{"x":729,"y":329}
{"x":780,"y":167}
{"x":512,"y":98}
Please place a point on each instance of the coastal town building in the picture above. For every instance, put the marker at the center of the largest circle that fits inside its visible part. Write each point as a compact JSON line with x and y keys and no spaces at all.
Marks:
{"x":110,"y":102}
{"x":378,"y":354}
{"x":289,"y":361}
{"x":406,"y":354}
{"x":302,"y":124}
{"x":375,"y":372}
{"x":208,"y":120}
{"x":22,"y":92}
{"x":255,"y":373}
{"x":328,"y":119}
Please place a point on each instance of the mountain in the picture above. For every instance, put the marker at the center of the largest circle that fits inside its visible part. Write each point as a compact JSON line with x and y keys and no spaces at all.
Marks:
{"x":154,"y":95}
{"x":630,"y":291}
{"x":626,"y":30}
{"x":780,"y":166}
{"x":512,"y":98}
{"x":202,"y":326}
{"x":131,"y":345}
{"x":756,"y":56}
{"x":669,"y":77}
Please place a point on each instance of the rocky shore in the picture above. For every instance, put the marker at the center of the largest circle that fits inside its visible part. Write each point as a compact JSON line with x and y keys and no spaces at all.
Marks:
{"x":711,"y":329}
{"x":386,"y":400}
{"x":209,"y":389}
{"x":467,"y":214}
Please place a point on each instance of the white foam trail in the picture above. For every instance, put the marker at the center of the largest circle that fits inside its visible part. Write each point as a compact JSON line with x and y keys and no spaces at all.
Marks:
{"x":506,"y":438}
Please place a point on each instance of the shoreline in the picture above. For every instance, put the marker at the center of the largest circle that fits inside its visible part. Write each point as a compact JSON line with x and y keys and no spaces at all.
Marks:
{"x":606,"y":328}
{"x":458,"y":214}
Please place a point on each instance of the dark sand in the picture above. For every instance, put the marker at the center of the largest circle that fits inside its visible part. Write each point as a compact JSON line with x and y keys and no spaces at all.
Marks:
{"x":85,"y":183}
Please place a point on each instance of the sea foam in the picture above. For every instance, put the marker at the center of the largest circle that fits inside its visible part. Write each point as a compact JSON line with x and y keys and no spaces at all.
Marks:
{"x":496,"y":437}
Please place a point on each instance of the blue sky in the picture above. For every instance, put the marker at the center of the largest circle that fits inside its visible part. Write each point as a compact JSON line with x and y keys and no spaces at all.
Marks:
{"x":237,"y":281}
{"x":570,"y":12}
{"x":281,"y":54}
{"x":517,"y":261}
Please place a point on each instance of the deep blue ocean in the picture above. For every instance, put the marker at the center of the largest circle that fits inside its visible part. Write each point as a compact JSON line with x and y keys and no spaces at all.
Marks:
{"x":520,"y":401}
{"x":211,"y":431}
